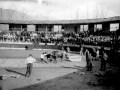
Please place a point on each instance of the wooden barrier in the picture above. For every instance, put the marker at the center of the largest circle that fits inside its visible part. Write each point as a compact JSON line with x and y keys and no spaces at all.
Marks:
{"x":74,"y":48}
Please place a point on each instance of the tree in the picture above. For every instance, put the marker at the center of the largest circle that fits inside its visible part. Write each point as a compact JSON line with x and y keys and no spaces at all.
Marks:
{"x":11,"y":11}
{"x":36,"y":18}
{"x":1,"y":15}
{"x":103,"y":11}
{"x":47,"y":14}
{"x":77,"y":14}
{"x":77,"y":11}
{"x":96,"y":12}
{"x":87,"y":11}
{"x":100,"y":11}
{"x":23,"y":13}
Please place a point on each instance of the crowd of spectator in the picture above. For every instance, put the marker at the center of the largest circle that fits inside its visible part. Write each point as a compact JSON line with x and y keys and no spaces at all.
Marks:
{"x":55,"y":37}
{"x":39,"y":37}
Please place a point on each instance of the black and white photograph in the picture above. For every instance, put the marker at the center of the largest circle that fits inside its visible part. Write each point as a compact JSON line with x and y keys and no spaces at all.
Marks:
{"x":59,"y":44}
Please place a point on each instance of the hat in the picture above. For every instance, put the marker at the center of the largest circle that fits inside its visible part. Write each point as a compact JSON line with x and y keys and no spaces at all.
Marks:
{"x":30,"y":54}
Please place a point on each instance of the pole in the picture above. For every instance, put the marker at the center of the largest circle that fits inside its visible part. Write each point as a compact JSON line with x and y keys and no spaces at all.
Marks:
{"x":46,"y":32}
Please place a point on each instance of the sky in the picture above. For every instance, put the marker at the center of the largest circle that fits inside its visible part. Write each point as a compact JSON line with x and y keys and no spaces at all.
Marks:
{"x":65,"y":9}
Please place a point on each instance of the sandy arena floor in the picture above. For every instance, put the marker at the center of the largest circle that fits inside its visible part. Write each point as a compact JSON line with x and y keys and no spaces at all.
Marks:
{"x":41,"y":72}
{"x":64,"y":75}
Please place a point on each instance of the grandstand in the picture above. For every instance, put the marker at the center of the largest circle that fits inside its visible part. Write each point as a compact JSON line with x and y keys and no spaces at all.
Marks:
{"x":66,"y":25}
{"x":96,"y":32}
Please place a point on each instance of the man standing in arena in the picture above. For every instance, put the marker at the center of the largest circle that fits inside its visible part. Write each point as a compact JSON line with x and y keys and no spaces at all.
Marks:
{"x":42,"y":57}
{"x":104,"y":58}
{"x":88,"y":60}
{"x":29,"y":61}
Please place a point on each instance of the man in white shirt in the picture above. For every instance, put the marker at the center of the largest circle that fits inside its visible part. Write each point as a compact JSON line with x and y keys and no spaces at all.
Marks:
{"x":64,"y":55}
{"x":97,"y":54}
{"x":67,"y":56}
{"x":29,"y":61}
{"x":42,"y":57}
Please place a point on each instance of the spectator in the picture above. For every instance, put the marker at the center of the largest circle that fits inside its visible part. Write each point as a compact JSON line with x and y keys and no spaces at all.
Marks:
{"x":68,"y":49}
{"x":88,"y":60}
{"x":97,"y":54}
{"x":26,"y":47}
{"x":42,"y":57}
{"x":104,"y":58}
{"x":81,"y":51}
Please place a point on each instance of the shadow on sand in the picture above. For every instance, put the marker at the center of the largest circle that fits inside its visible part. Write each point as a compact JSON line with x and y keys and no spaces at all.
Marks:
{"x":15,"y":72}
{"x":75,"y":67}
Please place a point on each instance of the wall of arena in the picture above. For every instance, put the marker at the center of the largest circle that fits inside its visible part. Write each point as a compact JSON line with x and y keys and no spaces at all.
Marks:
{"x":4,"y":27}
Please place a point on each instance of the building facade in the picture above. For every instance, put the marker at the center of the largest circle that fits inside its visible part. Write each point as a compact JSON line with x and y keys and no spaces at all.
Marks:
{"x":76,"y":26}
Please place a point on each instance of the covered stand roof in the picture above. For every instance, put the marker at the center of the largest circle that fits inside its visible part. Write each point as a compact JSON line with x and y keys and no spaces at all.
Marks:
{"x":79,"y":21}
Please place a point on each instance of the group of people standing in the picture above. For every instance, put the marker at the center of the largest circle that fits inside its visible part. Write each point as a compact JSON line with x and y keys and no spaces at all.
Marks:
{"x":89,"y":58}
{"x":100,"y":55}
{"x":30,"y":60}
{"x":53,"y":55}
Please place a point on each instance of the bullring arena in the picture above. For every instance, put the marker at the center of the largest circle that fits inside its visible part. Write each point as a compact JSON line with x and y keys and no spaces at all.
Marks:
{"x":19,"y":40}
{"x":12,"y":64}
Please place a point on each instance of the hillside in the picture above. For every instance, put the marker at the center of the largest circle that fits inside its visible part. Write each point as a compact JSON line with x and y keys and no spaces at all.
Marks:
{"x":9,"y":14}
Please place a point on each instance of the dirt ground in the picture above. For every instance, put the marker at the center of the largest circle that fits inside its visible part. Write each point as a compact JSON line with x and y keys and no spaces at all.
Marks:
{"x":41,"y":72}
{"x":73,"y":81}
{"x":70,"y":77}
{"x":38,"y":75}
{"x":61,"y":76}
